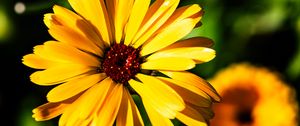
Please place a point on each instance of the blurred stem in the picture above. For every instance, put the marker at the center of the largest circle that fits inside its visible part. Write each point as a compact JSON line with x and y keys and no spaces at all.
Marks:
{"x":138,"y":101}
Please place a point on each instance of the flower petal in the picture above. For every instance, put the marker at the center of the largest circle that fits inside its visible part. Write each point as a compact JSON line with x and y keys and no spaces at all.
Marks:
{"x":162,"y":98}
{"x":191,"y":117}
{"x":156,"y":118}
{"x":122,"y":11}
{"x":35,"y":61}
{"x":58,"y":74}
{"x":193,"y":79}
{"x":128,"y":114}
{"x":184,"y":12}
{"x":71,"y":20}
{"x":169,"y":63}
{"x":169,"y":35}
{"x":192,"y":42}
{"x":88,"y":9}
{"x":73,"y":87}
{"x":48,"y":111}
{"x":188,"y":92}
{"x":93,"y":98}
{"x":73,"y":38}
{"x":198,"y":54}
{"x":109,"y":110}
{"x":137,"y":15}
{"x":156,"y":16}
{"x":66,"y":53}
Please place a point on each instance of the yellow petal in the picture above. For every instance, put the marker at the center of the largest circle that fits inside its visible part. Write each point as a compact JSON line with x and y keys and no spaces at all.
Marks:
{"x":48,"y":111}
{"x":183,"y":13}
{"x":156,"y":16}
{"x":188,"y":92}
{"x":193,"y":79}
{"x":137,"y":15}
{"x":191,"y":117}
{"x":129,"y":114}
{"x":162,"y":98}
{"x":35,"y":61}
{"x":198,"y":54}
{"x":49,"y":21}
{"x":109,"y":110}
{"x":73,"y":87}
{"x":169,"y":63}
{"x":58,"y":74}
{"x":124,"y":117}
{"x":73,"y":38}
{"x":169,"y":35}
{"x":88,"y":9}
{"x":69,"y":19}
{"x":122,"y":11}
{"x":155,"y":117}
{"x":68,"y":118}
{"x":192,"y":42}
{"x":93,"y":98}
{"x":137,"y":119}
{"x":66,"y":53}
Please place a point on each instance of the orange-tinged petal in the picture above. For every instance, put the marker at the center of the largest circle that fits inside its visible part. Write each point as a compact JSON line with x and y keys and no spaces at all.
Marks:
{"x":181,"y":13}
{"x":156,"y":16}
{"x":73,"y":38}
{"x":73,"y":87}
{"x":71,"y":20}
{"x":48,"y":111}
{"x":109,"y":110}
{"x":169,"y":35}
{"x":68,"y":118}
{"x":88,"y":9}
{"x":66,"y":53}
{"x":169,"y":63}
{"x":198,"y":54}
{"x":188,"y":92}
{"x":193,"y":79}
{"x":163,"y":98}
{"x":49,"y":21}
{"x":125,"y":117}
{"x":192,"y":42}
{"x":37,"y":62}
{"x":191,"y":117}
{"x":92,"y":99}
{"x":206,"y":112}
{"x":155,"y":117}
{"x":58,"y":74}
{"x":137,"y":15}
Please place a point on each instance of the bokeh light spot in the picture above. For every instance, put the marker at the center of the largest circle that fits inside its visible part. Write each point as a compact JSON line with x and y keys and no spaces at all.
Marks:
{"x":20,"y":7}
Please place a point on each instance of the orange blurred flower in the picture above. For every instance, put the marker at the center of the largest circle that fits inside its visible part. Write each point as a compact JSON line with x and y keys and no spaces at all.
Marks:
{"x":253,"y":96}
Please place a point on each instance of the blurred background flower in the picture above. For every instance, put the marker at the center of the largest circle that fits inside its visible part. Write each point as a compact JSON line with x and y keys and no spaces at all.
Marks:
{"x":253,"y":96}
{"x":261,"y":32}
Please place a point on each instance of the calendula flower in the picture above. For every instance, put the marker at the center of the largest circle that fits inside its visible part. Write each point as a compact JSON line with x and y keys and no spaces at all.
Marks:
{"x":110,"y":49}
{"x":253,"y":96}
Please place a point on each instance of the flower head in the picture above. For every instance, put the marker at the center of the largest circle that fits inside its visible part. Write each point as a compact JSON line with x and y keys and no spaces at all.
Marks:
{"x":110,"y":49}
{"x":253,"y":96}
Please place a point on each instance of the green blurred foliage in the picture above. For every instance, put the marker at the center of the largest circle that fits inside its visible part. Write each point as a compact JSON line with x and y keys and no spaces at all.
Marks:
{"x":5,"y":24}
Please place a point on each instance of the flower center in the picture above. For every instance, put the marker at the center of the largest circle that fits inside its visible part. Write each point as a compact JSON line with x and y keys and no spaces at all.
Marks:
{"x":121,"y":62}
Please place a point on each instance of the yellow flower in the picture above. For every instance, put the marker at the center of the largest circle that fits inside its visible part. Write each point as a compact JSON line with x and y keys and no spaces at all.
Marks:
{"x":253,"y":96}
{"x":111,"y":49}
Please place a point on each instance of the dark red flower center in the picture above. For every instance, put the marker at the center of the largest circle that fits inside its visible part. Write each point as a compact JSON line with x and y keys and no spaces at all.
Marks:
{"x":121,"y":62}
